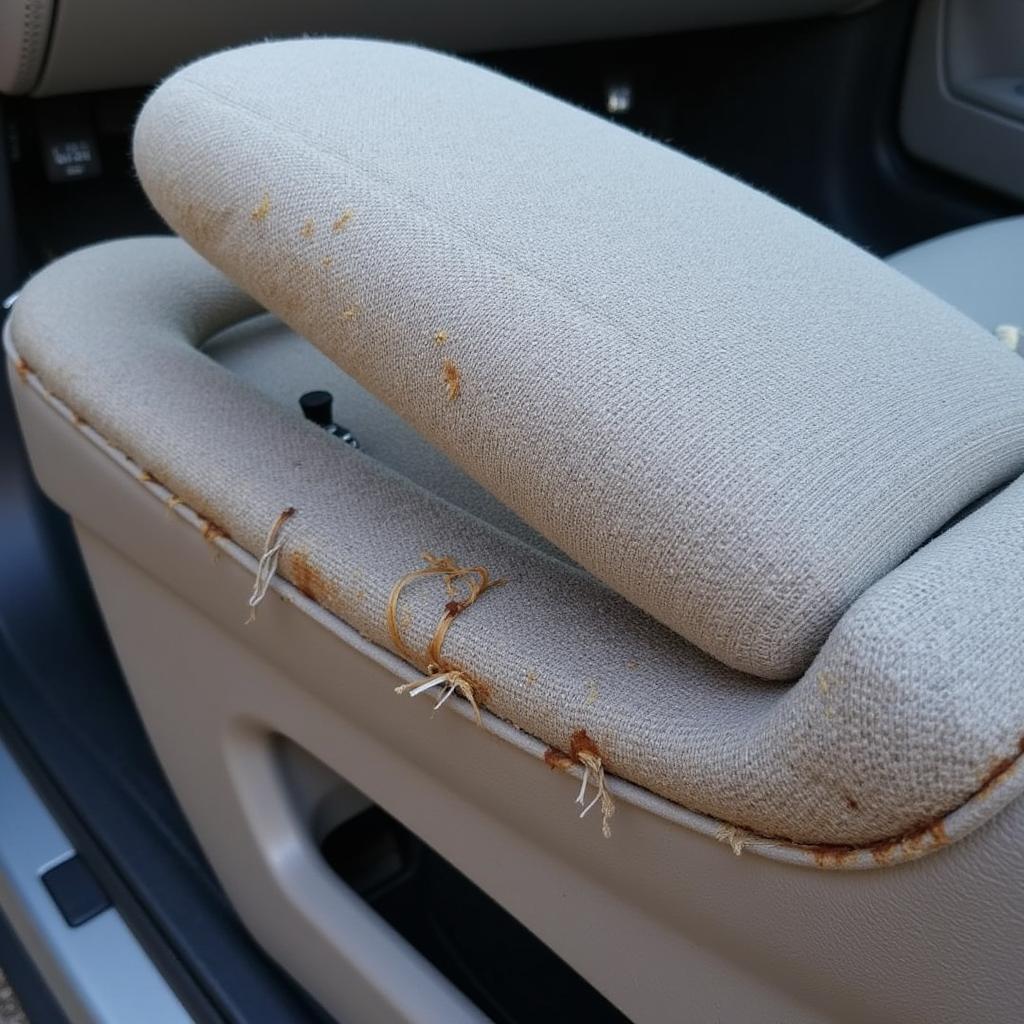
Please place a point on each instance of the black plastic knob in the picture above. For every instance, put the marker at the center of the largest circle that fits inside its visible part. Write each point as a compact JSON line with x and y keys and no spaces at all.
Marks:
{"x":316,"y":407}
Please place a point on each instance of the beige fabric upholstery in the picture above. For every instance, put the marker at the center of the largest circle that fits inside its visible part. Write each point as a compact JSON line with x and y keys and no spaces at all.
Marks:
{"x":733,"y":417}
{"x":283,"y":366}
{"x":908,"y":710}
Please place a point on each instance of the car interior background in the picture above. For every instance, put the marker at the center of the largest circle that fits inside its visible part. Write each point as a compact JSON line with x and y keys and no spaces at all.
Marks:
{"x":669,"y":360}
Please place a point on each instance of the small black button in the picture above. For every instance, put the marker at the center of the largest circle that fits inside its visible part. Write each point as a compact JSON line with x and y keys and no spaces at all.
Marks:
{"x":316,"y":407}
{"x":75,"y":891}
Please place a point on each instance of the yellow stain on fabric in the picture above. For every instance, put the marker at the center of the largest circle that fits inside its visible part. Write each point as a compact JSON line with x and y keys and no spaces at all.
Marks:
{"x":342,"y":220}
{"x":452,"y":379}
{"x":825,"y":683}
{"x":261,"y":210}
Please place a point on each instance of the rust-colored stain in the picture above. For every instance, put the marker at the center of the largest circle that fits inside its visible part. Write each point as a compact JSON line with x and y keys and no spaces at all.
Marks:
{"x":327,"y":261}
{"x":831,"y":857}
{"x":995,"y":777}
{"x":308,"y":579}
{"x":440,"y":337}
{"x":79,"y":421}
{"x":452,"y":379}
{"x":557,"y":760}
{"x":342,"y":220}
{"x":531,"y":677}
{"x":212,"y":532}
{"x":145,"y":477}
{"x":581,"y":743}
{"x":21,"y":368}
{"x":884,"y":853}
{"x":308,"y":229}
{"x":928,"y":837}
{"x":481,"y":691}
{"x":261,"y":210}
{"x":172,"y":502}
{"x":851,"y":802}
{"x":998,"y":772}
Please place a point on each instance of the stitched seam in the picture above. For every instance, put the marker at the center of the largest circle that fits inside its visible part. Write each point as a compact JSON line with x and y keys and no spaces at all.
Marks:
{"x":825,"y":854}
{"x":32,"y":45}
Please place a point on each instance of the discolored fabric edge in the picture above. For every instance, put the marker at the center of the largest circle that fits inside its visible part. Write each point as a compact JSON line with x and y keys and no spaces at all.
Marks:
{"x":1003,"y":784}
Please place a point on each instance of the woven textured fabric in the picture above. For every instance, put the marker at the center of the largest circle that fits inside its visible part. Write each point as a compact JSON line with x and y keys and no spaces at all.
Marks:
{"x":906,"y":711}
{"x":281,"y":365}
{"x":731,"y":416}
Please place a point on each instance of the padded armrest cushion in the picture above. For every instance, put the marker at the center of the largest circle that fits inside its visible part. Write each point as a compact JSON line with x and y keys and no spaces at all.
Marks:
{"x":729,"y":414}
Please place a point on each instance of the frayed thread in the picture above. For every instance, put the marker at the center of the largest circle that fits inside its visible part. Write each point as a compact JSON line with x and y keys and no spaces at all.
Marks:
{"x":585,"y":753}
{"x":476,"y":581}
{"x":733,"y":837}
{"x":592,"y":768}
{"x":266,"y":568}
{"x":452,"y":682}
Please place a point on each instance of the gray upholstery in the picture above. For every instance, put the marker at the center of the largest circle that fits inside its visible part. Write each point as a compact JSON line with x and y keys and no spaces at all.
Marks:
{"x":980,"y":270}
{"x":734,"y":418}
{"x":894,"y":732}
{"x":283,"y":366}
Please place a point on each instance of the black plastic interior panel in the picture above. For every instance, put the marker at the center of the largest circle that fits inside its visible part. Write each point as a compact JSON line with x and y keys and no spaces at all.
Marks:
{"x":506,"y":970}
{"x":807,"y":111}
{"x":73,"y":887}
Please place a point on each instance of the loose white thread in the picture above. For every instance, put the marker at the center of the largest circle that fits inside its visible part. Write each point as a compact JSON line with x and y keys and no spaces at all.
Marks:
{"x":736,"y":838}
{"x":266,"y":568}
